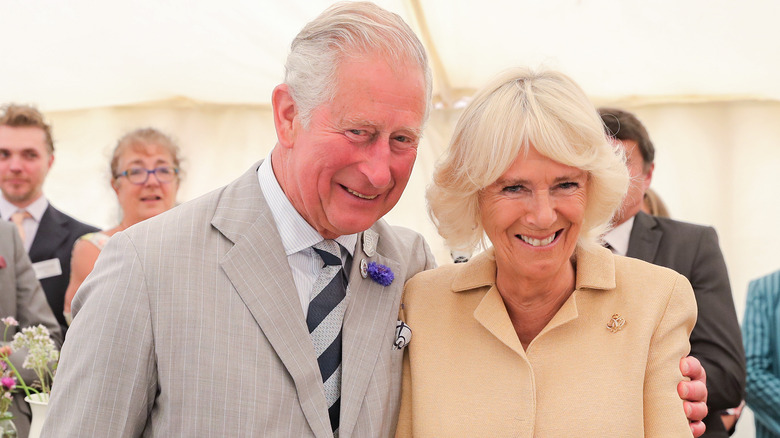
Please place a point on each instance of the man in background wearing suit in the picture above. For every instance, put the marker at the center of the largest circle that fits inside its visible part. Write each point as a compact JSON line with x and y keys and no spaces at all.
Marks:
{"x":22,"y":298}
{"x":691,"y":250}
{"x":207,"y":320}
{"x":26,"y":155}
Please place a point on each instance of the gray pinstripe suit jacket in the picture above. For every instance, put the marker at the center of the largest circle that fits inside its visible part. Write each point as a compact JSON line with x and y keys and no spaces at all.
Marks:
{"x":22,"y":297}
{"x":190,"y":325}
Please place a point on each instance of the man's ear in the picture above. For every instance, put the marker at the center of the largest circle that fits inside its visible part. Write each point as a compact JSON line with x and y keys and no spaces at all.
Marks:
{"x":285,"y":112}
{"x":649,"y":176}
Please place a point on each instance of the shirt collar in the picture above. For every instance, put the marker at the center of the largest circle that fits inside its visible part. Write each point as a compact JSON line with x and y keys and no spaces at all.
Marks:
{"x":619,"y":236}
{"x":296,"y":234}
{"x":36,"y":209}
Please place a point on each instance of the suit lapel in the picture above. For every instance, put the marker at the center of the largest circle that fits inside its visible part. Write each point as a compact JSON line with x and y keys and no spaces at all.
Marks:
{"x":258,"y":269}
{"x":51,"y":234}
{"x":645,"y":238}
{"x":372,"y":310}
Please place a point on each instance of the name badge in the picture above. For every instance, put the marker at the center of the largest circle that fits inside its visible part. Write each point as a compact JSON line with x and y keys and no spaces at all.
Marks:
{"x":47,"y":268}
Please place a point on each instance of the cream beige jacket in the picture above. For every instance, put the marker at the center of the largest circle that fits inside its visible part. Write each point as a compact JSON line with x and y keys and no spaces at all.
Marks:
{"x":467,"y":375}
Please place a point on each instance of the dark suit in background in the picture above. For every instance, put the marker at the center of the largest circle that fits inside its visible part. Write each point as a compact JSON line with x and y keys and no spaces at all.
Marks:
{"x":55,"y":237}
{"x":693,"y":251}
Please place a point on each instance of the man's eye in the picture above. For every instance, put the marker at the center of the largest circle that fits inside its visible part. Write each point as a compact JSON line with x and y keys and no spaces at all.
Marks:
{"x":30,"y":155}
{"x":407,"y":141}
{"x":357,"y":132}
{"x":4,"y":154}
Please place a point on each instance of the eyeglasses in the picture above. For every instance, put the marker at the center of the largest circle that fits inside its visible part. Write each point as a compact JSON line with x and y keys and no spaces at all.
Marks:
{"x":139,"y":175}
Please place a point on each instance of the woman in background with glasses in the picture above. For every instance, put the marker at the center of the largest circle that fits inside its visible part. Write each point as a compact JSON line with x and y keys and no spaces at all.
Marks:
{"x":145,"y":177}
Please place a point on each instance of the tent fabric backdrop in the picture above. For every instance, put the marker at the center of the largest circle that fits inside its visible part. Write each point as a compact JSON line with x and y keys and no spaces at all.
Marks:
{"x":700,"y":74}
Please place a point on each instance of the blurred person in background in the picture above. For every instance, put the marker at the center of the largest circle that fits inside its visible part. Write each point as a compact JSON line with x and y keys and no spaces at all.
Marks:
{"x":761,"y":333}
{"x":652,"y":204}
{"x":145,"y":175}
{"x":26,"y":156}
{"x":693,"y":251}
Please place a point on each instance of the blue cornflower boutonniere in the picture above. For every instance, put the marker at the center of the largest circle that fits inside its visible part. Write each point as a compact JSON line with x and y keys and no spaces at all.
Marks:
{"x":380,"y":273}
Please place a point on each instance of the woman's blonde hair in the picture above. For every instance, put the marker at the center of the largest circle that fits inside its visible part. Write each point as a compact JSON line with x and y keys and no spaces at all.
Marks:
{"x":519,"y":109}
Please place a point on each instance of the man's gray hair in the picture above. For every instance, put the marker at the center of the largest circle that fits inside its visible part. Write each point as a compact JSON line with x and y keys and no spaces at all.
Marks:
{"x":348,"y":29}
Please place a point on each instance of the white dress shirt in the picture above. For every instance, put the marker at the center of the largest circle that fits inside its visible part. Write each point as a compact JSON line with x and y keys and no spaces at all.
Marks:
{"x":619,"y":236}
{"x":298,"y":236}
{"x":30,"y":224}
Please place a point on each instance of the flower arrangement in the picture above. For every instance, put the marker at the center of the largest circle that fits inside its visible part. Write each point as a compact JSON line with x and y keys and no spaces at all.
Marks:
{"x":42,"y":357}
{"x":7,"y":387}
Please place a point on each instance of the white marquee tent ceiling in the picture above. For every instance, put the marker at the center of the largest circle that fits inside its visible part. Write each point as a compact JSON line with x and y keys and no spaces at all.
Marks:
{"x":75,"y":54}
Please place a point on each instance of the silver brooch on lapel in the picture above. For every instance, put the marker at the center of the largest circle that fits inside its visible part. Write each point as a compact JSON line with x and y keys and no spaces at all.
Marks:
{"x":616,"y":323}
{"x":370,"y":239}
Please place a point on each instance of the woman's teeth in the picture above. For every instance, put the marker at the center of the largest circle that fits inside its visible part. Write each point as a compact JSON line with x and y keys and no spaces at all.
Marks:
{"x":536,"y":242}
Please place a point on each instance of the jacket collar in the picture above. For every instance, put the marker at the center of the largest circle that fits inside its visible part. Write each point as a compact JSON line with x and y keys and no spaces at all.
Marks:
{"x":595,"y":270}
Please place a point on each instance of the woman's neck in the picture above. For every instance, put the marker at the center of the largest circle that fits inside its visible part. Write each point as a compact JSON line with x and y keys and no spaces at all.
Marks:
{"x":121,"y":227}
{"x":532,"y":303}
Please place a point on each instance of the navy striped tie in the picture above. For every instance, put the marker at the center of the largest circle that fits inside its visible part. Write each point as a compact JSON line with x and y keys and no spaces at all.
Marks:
{"x":324,"y":319}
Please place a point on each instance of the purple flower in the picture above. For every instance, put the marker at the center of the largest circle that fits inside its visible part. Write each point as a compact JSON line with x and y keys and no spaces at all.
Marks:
{"x":8,"y":383}
{"x":380,"y":273}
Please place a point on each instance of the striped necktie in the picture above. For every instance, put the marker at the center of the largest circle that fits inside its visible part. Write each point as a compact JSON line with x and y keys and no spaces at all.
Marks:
{"x":324,"y":319}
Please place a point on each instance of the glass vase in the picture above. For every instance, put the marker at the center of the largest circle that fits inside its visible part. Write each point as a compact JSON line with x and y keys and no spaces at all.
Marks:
{"x":7,"y":426}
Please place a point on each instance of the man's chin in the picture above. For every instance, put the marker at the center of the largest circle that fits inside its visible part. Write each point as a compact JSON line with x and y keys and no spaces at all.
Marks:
{"x":354,"y":225}
{"x":16,"y":198}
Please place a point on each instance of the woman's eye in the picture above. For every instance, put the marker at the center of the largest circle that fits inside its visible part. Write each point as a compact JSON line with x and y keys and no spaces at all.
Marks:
{"x":567,"y":187}
{"x":513,"y":189}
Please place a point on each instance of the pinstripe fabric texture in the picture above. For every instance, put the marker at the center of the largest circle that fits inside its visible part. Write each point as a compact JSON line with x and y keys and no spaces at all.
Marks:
{"x":761,"y":334}
{"x":22,"y":298}
{"x":190,"y":325}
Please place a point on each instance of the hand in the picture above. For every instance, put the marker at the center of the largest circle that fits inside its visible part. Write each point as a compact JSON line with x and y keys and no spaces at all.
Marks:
{"x":694,"y":393}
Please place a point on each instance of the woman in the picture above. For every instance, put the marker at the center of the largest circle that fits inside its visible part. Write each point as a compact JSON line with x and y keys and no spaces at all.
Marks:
{"x":546,"y":334}
{"x":145,"y":177}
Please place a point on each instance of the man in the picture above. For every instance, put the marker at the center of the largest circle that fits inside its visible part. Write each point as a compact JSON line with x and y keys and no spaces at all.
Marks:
{"x":207,"y":320}
{"x":761,"y":334}
{"x":26,"y":155}
{"x":691,"y":250}
{"x":22,"y":298}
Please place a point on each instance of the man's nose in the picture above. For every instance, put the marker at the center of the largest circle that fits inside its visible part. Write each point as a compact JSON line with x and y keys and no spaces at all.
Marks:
{"x":376,"y":163}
